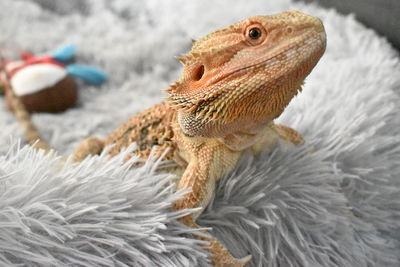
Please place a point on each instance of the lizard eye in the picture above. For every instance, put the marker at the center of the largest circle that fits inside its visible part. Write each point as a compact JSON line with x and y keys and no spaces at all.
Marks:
{"x":255,"y":34}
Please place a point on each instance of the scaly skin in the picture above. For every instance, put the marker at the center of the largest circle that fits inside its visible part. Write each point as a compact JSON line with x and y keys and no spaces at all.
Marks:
{"x":235,"y":82}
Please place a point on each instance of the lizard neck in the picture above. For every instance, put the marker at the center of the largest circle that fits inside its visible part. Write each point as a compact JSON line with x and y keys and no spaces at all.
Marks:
{"x":197,"y":126}
{"x":239,"y":140}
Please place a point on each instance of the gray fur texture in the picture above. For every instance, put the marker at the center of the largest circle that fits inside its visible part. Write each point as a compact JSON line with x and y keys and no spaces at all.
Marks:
{"x":336,"y":206}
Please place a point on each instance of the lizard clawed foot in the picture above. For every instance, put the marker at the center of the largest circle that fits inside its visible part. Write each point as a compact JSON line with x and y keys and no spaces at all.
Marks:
{"x":230,"y":261}
{"x":246,"y":259}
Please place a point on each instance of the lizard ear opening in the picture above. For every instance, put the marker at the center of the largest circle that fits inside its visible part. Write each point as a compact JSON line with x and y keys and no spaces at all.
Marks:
{"x":198,"y":73}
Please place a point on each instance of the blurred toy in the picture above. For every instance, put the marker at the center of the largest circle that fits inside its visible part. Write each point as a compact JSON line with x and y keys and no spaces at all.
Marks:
{"x":46,"y":83}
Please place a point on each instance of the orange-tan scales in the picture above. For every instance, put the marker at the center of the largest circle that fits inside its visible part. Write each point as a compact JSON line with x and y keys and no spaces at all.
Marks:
{"x":235,"y":82}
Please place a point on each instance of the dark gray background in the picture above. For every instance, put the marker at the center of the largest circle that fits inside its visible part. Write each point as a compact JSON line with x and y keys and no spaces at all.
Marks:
{"x":381,"y":15}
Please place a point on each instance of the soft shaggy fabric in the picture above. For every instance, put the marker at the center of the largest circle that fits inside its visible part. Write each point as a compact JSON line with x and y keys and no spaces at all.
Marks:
{"x":338,"y":206}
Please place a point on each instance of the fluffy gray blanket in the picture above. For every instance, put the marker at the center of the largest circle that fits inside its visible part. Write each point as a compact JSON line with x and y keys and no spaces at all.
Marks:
{"x":339,"y":206}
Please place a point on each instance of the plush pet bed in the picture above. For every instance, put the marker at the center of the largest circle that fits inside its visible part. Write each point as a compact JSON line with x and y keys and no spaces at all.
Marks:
{"x":338,"y":206}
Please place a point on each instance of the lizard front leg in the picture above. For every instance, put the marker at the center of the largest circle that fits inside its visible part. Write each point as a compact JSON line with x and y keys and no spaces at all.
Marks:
{"x":288,"y":135}
{"x":273,"y":133}
{"x":89,"y":146}
{"x":200,"y":176}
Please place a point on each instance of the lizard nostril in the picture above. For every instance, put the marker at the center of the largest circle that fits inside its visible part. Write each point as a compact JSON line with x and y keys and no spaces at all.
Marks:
{"x":198,"y":73}
{"x":289,"y":30}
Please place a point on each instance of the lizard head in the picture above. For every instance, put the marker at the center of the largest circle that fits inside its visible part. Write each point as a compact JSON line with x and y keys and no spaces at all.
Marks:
{"x":243,"y":76}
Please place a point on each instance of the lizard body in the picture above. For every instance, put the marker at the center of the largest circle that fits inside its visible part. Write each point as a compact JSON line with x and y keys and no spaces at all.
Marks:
{"x":235,"y":82}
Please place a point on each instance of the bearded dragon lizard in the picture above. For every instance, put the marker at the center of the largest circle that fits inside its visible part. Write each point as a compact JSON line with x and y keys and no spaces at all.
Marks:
{"x":235,"y":82}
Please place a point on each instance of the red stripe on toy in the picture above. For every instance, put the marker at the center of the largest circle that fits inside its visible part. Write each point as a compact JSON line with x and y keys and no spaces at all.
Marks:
{"x":33,"y":61}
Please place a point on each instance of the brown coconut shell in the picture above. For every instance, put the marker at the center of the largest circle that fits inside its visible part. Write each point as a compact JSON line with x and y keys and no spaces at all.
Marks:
{"x":57,"y":98}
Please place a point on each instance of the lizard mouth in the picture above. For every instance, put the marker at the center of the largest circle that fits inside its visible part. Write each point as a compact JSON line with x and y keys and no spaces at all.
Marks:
{"x":305,"y":49}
